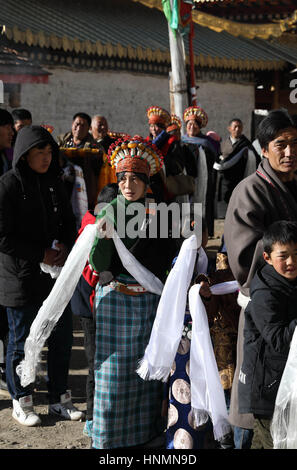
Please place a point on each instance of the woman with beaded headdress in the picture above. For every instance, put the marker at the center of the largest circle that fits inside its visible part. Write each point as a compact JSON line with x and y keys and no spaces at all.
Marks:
{"x":127,"y":410}
{"x":186,"y":157}
{"x":205,"y":153}
{"x":163,"y":127}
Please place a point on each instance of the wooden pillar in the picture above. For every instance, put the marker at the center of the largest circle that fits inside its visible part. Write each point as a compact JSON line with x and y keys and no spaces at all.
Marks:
{"x":178,"y":80}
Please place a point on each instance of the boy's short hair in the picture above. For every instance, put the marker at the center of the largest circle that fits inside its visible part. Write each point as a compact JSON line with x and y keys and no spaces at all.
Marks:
{"x":83,"y":116}
{"x":272,"y":124}
{"x":108,"y":193}
{"x":21,"y":114}
{"x":282,"y":232}
{"x":235,"y":120}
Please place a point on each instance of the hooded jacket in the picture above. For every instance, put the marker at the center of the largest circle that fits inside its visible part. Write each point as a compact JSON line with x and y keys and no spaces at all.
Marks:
{"x":34,"y":211}
{"x":270,"y":321}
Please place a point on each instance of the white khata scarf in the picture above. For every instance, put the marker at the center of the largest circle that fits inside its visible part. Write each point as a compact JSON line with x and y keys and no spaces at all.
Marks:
{"x":283,"y":426}
{"x":55,"y":304}
{"x":207,"y":395}
{"x":62,"y":291}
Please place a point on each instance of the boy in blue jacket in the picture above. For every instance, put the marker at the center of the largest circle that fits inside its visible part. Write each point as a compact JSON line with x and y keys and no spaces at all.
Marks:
{"x":270,"y":321}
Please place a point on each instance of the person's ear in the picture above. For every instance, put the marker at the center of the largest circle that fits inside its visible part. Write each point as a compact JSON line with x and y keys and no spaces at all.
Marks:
{"x":267,"y":258}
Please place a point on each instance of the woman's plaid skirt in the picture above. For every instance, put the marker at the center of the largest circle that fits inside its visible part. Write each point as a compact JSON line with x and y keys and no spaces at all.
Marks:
{"x":127,"y":409}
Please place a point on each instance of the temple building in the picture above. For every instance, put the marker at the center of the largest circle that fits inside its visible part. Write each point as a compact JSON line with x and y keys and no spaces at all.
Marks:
{"x":112,"y":58}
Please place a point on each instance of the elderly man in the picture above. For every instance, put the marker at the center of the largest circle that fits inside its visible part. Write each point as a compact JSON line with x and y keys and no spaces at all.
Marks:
{"x":99,"y":131}
{"x":238,"y":159}
{"x":266,"y":196}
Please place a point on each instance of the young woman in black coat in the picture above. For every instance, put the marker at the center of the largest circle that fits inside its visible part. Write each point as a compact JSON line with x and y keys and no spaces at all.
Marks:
{"x":34,"y":213}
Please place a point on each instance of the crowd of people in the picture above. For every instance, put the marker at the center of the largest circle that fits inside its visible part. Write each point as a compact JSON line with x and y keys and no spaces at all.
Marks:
{"x":51,"y":189}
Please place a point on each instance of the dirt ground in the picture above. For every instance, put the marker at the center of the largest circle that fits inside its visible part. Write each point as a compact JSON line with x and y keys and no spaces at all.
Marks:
{"x":55,"y":433}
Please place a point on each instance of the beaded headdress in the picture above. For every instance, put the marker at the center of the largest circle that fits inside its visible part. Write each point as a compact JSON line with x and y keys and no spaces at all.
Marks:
{"x":175,"y":123}
{"x":196,"y":112}
{"x":136,"y":155}
{"x":156,"y":114}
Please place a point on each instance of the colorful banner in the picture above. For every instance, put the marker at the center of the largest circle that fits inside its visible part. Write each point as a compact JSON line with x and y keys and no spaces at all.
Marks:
{"x":178,"y":14}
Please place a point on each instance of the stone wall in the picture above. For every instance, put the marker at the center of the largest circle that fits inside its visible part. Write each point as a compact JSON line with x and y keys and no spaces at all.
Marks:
{"x":123,"y":98}
{"x":223,"y":102}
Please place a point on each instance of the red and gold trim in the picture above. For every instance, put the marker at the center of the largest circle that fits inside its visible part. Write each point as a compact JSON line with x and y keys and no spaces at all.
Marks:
{"x":136,"y":155}
{"x":156,"y":115}
{"x":196,"y":112}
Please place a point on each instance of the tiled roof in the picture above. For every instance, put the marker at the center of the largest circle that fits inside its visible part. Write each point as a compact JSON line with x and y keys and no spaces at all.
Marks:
{"x":11,"y":61}
{"x":125,"y":26}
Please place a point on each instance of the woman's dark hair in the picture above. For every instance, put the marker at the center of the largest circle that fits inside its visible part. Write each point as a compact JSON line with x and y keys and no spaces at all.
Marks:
{"x":272,"y":124}
{"x":142,"y":176}
{"x":159,"y":124}
{"x":40,"y":145}
{"x":282,"y":232}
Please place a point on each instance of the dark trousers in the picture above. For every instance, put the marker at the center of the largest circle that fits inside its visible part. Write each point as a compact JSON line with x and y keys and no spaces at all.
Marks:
{"x":89,"y":329}
{"x":3,"y":330}
{"x":59,"y":351}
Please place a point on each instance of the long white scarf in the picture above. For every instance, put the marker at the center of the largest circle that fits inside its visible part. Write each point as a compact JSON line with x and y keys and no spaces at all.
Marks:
{"x":55,"y":304}
{"x":207,"y":395}
{"x":62,"y":291}
{"x":168,"y":325}
{"x":283,"y":426}
{"x":141,"y":274}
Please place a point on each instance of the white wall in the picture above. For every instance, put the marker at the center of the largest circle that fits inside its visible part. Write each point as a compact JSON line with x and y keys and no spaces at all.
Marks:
{"x":123,"y":98}
{"x":223,"y":102}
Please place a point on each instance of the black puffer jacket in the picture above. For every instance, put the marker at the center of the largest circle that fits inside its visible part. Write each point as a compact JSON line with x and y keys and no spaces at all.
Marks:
{"x":270,"y":321}
{"x":34,"y":211}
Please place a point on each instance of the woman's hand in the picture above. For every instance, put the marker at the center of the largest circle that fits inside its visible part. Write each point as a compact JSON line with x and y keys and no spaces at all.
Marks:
{"x":205,"y":290}
{"x":49,"y":256}
{"x":61,"y":255}
{"x":56,"y":257}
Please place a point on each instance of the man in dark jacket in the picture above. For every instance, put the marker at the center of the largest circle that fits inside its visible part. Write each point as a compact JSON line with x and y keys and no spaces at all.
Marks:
{"x":262,"y":198}
{"x":34,"y":213}
{"x":270,"y":322}
{"x":238,"y":160}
